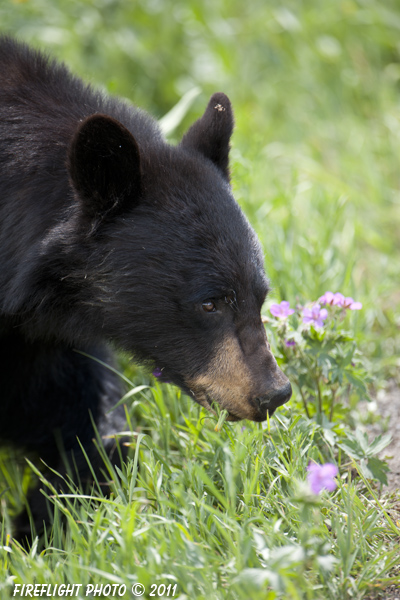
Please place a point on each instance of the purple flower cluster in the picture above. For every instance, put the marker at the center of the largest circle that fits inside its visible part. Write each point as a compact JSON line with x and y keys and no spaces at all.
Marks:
{"x":338,"y":299}
{"x":321,"y":477}
{"x":315,"y":315}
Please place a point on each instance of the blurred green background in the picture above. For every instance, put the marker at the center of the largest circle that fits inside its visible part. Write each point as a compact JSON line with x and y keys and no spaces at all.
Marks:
{"x":315,"y":87}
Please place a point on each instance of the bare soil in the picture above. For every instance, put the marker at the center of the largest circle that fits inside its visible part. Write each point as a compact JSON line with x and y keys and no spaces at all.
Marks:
{"x":388,"y":406}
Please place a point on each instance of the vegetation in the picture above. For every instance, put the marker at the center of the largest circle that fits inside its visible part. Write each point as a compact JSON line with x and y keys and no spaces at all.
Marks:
{"x":229,"y":513}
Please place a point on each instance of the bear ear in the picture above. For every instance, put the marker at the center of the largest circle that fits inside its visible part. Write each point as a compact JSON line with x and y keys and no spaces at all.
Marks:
{"x":211,"y":134}
{"x":104,"y":166}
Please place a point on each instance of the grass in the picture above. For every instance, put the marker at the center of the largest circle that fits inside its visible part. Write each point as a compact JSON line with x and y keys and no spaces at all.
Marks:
{"x":223,"y":515}
{"x":315,"y":167}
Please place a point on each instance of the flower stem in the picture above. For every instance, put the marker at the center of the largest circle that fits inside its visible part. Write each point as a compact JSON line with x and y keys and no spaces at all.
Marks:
{"x":334,"y":390}
{"x":319,"y":396}
{"x":304,"y":401}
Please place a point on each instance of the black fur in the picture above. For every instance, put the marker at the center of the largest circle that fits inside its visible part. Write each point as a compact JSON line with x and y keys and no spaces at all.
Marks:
{"x":110,"y":235}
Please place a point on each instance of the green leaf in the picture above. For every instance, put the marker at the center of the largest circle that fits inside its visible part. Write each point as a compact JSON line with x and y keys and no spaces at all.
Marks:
{"x":374,"y":468}
{"x":379,"y":443}
{"x":355,"y":380}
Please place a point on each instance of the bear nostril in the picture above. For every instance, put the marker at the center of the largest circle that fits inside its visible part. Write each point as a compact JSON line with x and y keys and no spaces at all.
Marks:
{"x":275,"y":398}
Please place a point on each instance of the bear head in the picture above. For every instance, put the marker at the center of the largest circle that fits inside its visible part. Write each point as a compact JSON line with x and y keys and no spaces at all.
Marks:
{"x":174,"y":272}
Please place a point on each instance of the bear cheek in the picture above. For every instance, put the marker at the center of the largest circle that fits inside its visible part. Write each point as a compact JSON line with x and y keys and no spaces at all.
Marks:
{"x":227,"y":381}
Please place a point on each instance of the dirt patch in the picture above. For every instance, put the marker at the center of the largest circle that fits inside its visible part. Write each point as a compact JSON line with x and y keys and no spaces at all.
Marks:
{"x":387,"y":405}
{"x":391,"y":593}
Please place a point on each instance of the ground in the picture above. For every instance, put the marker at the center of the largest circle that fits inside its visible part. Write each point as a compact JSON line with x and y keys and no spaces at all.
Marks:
{"x":388,"y":406}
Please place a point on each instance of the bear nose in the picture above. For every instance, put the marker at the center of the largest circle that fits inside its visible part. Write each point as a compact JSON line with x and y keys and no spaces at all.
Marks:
{"x":275,"y":398}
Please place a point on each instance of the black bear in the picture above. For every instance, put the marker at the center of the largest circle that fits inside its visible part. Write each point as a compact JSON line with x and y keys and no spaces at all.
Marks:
{"x":109,"y":235}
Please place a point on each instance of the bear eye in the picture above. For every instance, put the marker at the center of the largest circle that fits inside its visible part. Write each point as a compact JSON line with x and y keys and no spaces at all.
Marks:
{"x":209,"y":306}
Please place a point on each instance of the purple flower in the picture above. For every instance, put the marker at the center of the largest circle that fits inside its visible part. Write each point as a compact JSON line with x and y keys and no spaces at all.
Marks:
{"x":315,"y":315}
{"x":332,"y":299}
{"x":349,"y":303}
{"x":158,"y":373}
{"x":282,"y":310}
{"x":321,"y":477}
{"x":339,"y":300}
{"x":327,"y":298}
{"x":290,"y":343}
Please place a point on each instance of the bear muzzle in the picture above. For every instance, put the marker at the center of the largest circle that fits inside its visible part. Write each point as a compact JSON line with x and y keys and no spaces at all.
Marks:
{"x":269,"y":402}
{"x":243,"y":379}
